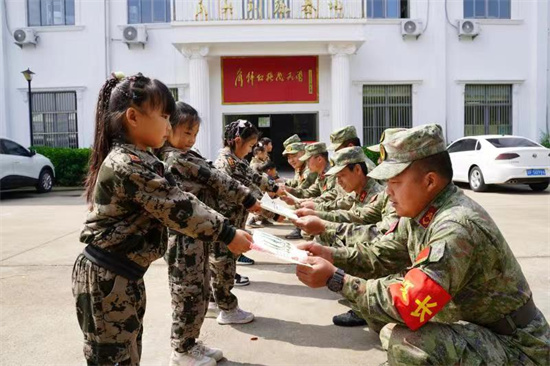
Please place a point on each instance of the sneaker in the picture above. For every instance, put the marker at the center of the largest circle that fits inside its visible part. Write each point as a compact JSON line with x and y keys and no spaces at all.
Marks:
{"x":213,"y":310}
{"x":294,"y":234}
{"x":244,"y":260}
{"x":214,"y":353}
{"x":349,"y":319}
{"x":235,"y":316}
{"x":252,"y":223}
{"x":194,"y":357}
{"x":241,"y":280}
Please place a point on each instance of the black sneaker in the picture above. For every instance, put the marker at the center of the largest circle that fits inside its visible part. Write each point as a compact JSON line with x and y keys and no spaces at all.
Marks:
{"x":245,"y":261}
{"x":349,"y":319}
{"x":241,"y":280}
{"x":294,"y":234}
{"x":266,"y":222}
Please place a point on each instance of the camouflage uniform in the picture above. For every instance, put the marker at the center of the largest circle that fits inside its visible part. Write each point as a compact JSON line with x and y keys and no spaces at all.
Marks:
{"x":187,"y":258}
{"x":256,"y":163}
{"x":222,"y":261}
{"x":125,"y":232}
{"x":303,"y":177}
{"x":463,"y":275}
{"x":291,"y":140}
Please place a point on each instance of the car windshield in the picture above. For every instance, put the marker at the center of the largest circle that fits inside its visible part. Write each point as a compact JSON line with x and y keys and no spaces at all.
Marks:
{"x":511,"y":142}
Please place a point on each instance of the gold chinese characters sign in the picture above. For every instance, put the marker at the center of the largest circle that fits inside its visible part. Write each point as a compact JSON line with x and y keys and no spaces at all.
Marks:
{"x":270,"y":79}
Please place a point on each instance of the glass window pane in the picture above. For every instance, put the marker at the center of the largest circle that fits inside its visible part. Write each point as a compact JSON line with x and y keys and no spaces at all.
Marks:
{"x":58,"y":7}
{"x":468,"y":8}
{"x":379,"y":10}
{"x":146,"y":11}
{"x":46,"y":12}
{"x":393,"y":9}
{"x":479,"y":9}
{"x":159,"y":11}
{"x":369,"y":8}
{"x":34,"y":12}
{"x":493,"y":9}
{"x":505,"y":12}
{"x":69,"y":12}
{"x":133,"y":11}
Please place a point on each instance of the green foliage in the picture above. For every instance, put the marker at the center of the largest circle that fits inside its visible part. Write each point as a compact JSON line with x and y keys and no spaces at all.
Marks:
{"x":71,"y":165}
{"x":374,"y":156}
{"x":545,"y":140}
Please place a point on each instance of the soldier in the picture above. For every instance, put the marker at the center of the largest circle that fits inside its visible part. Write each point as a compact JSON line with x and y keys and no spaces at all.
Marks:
{"x":291,"y":140}
{"x":303,"y":177}
{"x":464,"y":274}
{"x":187,"y":257}
{"x":131,"y":204}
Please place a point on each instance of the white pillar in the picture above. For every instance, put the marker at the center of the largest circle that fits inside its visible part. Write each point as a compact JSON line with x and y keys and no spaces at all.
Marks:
{"x":340,"y":83}
{"x":199,"y":88}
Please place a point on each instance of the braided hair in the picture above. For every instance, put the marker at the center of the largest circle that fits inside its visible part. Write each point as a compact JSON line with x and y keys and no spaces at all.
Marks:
{"x":239,"y":128}
{"x":115,"y":97}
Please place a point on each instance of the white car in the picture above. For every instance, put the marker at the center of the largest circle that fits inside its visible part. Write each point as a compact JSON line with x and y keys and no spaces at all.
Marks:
{"x":20,"y":167}
{"x":500,"y":159}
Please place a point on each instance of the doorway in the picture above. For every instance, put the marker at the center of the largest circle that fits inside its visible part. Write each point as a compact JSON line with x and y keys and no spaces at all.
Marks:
{"x":279,"y":127}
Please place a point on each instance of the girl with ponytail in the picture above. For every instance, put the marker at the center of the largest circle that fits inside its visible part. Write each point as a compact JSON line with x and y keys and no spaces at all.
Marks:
{"x":131,"y":201}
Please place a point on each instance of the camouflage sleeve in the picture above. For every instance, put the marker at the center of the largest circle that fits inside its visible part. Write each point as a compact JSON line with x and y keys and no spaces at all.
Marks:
{"x":439,"y":271}
{"x":308,"y":180}
{"x":178,"y":210}
{"x":226,"y":188}
{"x":313,"y":191}
{"x":341,"y":203}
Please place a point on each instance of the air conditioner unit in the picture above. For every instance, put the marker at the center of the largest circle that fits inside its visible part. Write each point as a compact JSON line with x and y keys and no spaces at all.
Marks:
{"x":411,"y":28}
{"x":468,"y":28}
{"x":24,"y":36}
{"x":134,"y":34}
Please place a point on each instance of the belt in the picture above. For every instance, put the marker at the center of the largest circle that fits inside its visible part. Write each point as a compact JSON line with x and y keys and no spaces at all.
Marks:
{"x":519,"y":318}
{"x":115,"y":263}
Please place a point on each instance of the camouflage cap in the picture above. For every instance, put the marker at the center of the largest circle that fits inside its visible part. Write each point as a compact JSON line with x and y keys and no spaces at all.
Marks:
{"x":386,"y":135}
{"x":348,"y":155}
{"x":314,"y":149}
{"x":291,"y":140}
{"x":406,"y":146}
{"x":294,"y":148}
{"x":338,"y":137}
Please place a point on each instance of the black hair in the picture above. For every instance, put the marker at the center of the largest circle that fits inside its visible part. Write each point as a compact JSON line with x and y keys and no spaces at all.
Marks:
{"x":266,"y":141}
{"x":115,"y":97}
{"x":266,"y":166}
{"x":439,"y":163}
{"x":258,"y":148}
{"x":324,"y":155}
{"x":239,"y":128}
{"x":184,"y":115}
{"x":362,"y":165}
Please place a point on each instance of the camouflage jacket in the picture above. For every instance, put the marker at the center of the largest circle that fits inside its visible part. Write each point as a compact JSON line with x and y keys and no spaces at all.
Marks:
{"x":322,"y":184}
{"x":256,"y":163}
{"x":239,"y":169}
{"x":462,"y":269}
{"x":363,"y":210}
{"x":133,"y":204}
{"x":303,"y":178}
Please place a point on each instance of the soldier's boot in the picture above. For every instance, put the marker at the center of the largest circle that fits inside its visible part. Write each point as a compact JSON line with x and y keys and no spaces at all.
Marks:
{"x":349,"y":319}
{"x":235,"y":316}
{"x":196,"y":356}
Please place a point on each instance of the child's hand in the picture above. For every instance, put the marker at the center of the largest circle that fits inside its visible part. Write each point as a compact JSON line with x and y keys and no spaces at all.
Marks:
{"x":241,"y":243}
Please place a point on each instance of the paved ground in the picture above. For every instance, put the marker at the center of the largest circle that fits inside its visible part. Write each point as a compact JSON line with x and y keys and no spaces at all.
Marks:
{"x":39,"y":242}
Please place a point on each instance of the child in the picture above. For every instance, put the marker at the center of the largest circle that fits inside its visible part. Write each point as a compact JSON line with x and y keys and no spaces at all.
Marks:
{"x":268,"y":144}
{"x":240,"y":137}
{"x":260,"y":156}
{"x":131,"y":204}
{"x":188,"y":267}
{"x":270,"y":169}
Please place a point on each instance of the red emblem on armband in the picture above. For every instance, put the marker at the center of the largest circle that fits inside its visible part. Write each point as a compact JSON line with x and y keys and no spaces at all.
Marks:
{"x":428,"y":217}
{"x":418,"y":298}
{"x":362,"y":196}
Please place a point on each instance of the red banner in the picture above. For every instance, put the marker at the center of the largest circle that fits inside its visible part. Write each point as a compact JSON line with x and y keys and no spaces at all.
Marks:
{"x":253,"y":80}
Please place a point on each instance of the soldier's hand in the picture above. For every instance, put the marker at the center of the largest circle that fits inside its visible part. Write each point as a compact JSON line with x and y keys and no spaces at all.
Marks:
{"x":241,"y":243}
{"x":301,"y":212}
{"x":256,"y":208}
{"x":311,"y":225}
{"x":317,"y":275}
{"x":317,"y":250}
{"x":287,"y":200}
{"x":308,"y":204}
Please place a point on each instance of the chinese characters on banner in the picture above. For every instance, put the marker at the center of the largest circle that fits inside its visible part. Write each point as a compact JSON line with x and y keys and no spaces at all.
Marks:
{"x":249,"y":80}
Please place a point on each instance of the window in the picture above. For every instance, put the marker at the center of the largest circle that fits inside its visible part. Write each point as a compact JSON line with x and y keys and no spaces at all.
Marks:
{"x":487,"y":9}
{"x":148,"y":11}
{"x":12,"y":148}
{"x":455,"y":147}
{"x":487,"y":110}
{"x":505,"y":142}
{"x":175,"y":93}
{"x":50,"y":12}
{"x":469,"y":145}
{"x":387,"y":9}
{"x":54,"y":118}
{"x":385,"y":106}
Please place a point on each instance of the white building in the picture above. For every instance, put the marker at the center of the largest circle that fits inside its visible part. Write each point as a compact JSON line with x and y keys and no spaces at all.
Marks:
{"x":369,"y":75}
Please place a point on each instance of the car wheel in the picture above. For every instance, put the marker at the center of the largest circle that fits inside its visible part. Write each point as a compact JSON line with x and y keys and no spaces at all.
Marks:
{"x":477,"y":183}
{"x":539,"y":187}
{"x":45,"y":181}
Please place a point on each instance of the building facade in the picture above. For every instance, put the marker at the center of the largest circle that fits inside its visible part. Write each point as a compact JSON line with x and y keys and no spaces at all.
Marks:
{"x":368,"y":73}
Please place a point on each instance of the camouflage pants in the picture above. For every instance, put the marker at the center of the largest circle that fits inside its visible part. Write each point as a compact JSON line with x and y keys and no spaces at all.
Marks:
{"x":110,"y":310}
{"x":465,"y":343}
{"x":224,"y":268}
{"x":189,"y":281}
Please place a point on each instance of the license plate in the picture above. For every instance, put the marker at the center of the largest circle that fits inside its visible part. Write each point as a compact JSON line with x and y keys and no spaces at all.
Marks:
{"x":531,"y":172}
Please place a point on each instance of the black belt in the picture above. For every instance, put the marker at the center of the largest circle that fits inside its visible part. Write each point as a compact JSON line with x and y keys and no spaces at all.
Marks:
{"x":115,"y":263}
{"x":519,"y":318}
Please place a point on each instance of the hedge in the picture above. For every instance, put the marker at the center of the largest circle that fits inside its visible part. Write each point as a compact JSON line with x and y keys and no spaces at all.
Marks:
{"x":374,"y":156}
{"x":545,"y":140}
{"x":71,"y":165}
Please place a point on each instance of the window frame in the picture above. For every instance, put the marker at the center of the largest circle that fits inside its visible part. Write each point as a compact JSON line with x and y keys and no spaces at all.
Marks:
{"x":480,"y":104}
{"x":486,"y":7}
{"x":42,"y":133}
{"x":167,"y":15}
{"x":65,"y":24}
